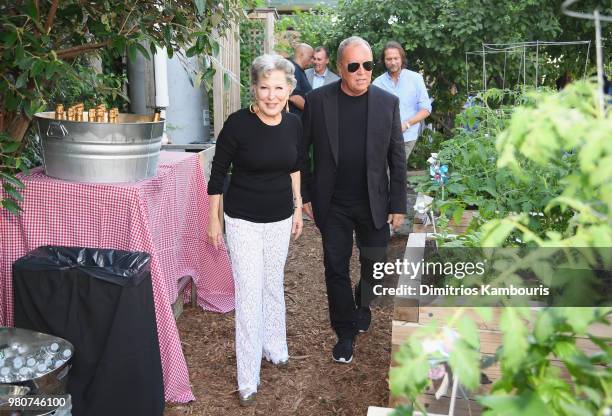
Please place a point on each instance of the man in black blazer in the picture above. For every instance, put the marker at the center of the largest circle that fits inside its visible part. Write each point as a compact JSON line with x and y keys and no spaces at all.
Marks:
{"x":355,"y":183}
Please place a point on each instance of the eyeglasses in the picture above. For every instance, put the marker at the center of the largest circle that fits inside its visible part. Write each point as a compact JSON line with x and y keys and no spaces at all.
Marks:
{"x":354,"y":66}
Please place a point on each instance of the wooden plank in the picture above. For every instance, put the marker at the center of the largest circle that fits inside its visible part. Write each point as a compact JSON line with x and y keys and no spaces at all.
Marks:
{"x":379,"y":411}
{"x":455,"y":228}
{"x":386,"y":411}
{"x":417,"y":173}
{"x":463,"y":407}
{"x":226,"y":101}
{"x":206,"y":157}
{"x":414,"y":253}
{"x":489,"y":340}
{"x":493,"y":373}
{"x":405,"y":309}
{"x":441,"y":406}
{"x":269,"y":32}
{"x":429,"y":314}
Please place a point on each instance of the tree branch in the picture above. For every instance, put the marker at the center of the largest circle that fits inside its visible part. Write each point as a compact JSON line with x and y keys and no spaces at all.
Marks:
{"x":81,"y":49}
{"x":51,"y":16}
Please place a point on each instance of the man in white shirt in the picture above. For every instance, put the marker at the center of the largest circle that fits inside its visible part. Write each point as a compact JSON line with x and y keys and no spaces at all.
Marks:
{"x":320,"y":74}
{"x":409,"y":87}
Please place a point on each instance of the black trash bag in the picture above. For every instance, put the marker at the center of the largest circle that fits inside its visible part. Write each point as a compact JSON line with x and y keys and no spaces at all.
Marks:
{"x":102,"y":302}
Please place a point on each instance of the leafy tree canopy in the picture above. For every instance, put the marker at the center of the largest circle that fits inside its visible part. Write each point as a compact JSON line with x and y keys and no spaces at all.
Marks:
{"x":42,"y":43}
{"x":436,"y":34}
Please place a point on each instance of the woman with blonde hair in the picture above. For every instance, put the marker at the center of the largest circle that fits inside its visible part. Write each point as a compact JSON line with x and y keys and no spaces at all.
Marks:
{"x":263,"y":207}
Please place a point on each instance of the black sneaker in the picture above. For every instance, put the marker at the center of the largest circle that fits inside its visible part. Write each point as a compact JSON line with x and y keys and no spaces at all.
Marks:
{"x":364,"y":318}
{"x":343,"y":350}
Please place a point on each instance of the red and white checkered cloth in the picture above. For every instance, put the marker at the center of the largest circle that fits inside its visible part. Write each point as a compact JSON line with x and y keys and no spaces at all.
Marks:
{"x":165,"y":216}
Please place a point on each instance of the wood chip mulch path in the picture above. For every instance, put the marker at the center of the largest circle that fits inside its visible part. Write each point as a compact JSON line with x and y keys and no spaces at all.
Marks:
{"x":312,"y":384}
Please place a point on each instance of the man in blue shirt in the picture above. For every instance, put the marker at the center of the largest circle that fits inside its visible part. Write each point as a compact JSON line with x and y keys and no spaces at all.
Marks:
{"x":409,"y":87}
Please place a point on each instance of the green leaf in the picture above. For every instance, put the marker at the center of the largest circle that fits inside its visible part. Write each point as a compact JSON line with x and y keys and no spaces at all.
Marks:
{"x":200,"y":6}
{"x":485,"y":313}
{"x":132,"y":52}
{"x":458,"y":214}
{"x":593,"y":395}
{"x":12,"y":101}
{"x":10,"y":147}
{"x":604,"y":343}
{"x":496,"y":232}
{"x":515,"y":346}
{"x":12,"y":180}
{"x":544,"y":271}
{"x":30,"y":10}
{"x":565,"y":349}
{"x":9,"y":39}
{"x":507,"y":405}
{"x":9,"y":189}
{"x":465,"y":363}
{"x":119,"y":43}
{"x":411,"y":377}
{"x":50,"y":69}
{"x":37,"y":68}
{"x":544,"y":327}
{"x":579,"y":318}
{"x":33,"y":108}
{"x":214,"y":47}
{"x":143,"y":51}
{"x":577,"y":409}
{"x":10,"y":205}
{"x":469,"y":332}
{"x":21,"y":80}
{"x":191,"y":51}
{"x":456,"y":188}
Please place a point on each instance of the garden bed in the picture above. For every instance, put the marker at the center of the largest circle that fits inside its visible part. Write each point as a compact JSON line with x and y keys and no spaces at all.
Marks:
{"x":409,"y":317}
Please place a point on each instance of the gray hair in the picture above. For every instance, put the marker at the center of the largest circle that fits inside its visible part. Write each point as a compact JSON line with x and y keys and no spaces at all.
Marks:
{"x":264,"y":64}
{"x":351,"y":41}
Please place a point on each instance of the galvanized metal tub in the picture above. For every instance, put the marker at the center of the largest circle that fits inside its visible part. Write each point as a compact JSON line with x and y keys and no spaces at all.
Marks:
{"x":80,"y":151}
{"x":18,"y":343}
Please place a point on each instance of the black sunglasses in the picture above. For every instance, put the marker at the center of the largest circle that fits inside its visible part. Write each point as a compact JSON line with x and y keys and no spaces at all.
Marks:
{"x":354,"y":66}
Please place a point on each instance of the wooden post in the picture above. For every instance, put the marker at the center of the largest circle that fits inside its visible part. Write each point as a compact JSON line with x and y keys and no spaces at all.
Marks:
{"x":269,"y":16}
{"x":226,"y":64}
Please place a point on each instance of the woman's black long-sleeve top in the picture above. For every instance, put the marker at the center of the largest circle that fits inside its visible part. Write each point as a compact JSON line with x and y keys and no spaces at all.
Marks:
{"x":262,"y":157}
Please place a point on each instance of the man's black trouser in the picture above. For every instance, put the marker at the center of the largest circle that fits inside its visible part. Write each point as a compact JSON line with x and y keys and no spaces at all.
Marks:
{"x":342,"y":219}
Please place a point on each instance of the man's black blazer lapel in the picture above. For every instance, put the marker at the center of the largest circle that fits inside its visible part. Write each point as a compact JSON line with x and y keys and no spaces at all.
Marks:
{"x":330,"y":112}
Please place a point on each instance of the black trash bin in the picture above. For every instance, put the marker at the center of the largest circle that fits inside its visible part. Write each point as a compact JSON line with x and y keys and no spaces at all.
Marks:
{"x":102,"y":302}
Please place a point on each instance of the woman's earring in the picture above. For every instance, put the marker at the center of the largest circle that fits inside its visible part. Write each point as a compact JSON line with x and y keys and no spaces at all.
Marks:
{"x":252,"y":108}
{"x":287,"y":105}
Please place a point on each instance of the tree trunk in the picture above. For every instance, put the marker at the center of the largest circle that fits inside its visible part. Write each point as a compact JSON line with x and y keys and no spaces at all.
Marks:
{"x":19,"y":127}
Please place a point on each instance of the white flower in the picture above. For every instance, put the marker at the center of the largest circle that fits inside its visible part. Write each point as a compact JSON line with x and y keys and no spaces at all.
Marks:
{"x":433,"y":159}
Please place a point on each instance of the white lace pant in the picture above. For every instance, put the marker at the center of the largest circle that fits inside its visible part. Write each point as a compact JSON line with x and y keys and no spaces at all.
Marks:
{"x":258,"y":252}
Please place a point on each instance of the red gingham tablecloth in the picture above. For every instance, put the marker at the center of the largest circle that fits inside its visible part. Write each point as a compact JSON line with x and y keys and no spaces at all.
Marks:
{"x":165,"y":216}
